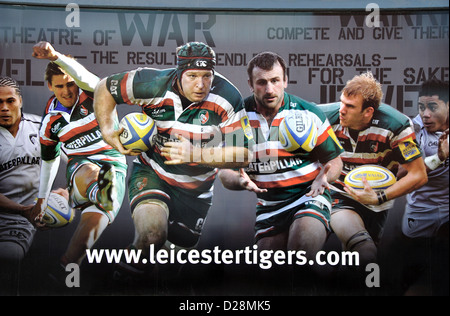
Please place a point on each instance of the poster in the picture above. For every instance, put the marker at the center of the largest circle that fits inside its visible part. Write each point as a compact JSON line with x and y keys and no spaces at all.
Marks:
{"x":322,"y":50}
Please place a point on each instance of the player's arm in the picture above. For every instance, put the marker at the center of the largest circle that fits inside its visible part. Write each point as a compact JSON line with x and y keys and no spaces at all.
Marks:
{"x":328,"y":174}
{"x":9,"y":206}
{"x":182,"y":152}
{"x":49,"y":170}
{"x":105,"y":112}
{"x":416,"y":176}
{"x":84,"y":79}
{"x":238,"y":180}
{"x":434,"y":161}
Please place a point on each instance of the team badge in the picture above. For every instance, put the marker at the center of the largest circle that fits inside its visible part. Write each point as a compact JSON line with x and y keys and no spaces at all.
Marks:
{"x":141,"y":184}
{"x":203,"y":117}
{"x":33,"y":138}
{"x":84,"y":111}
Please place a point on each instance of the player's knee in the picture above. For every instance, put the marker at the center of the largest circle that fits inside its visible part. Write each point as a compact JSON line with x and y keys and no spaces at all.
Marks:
{"x":11,"y":253}
{"x":357,"y":240}
{"x":363,"y":243}
{"x":84,"y":177}
{"x":150,"y":218}
{"x":92,"y":224}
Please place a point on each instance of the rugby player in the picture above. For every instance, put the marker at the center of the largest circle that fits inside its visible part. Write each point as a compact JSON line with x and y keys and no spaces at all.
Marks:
{"x":95,"y":172}
{"x":423,"y":248}
{"x":370,"y":133}
{"x":196,"y":111}
{"x":294,"y":206}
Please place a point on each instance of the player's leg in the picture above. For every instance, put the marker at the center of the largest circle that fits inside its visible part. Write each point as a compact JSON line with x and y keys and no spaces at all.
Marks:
{"x":277,"y":279}
{"x":16,"y":237}
{"x":350,"y":229}
{"x":89,"y":229}
{"x":11,"y":255}
{"x":277,"y":242}
{"x":98,"y":184}
{"x":151,"y":225}
{"x":309,"y":234}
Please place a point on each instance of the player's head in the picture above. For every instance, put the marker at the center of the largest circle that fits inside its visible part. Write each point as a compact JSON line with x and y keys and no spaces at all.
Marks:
{"x":267,"y":79}
{"x":366,"y":86}
{"x":195,"y":70}
{"x":10,"y":103}
{"x":61,"y":84}
{"x":433,"y":105}
{"x":360,"y":98}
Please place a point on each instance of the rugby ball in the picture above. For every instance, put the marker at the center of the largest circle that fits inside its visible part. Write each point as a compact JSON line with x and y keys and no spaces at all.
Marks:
{"x":58,"y":212}
{"x":378,"y":177}
{"x":298,"y":132}
{"x":139,"y":131}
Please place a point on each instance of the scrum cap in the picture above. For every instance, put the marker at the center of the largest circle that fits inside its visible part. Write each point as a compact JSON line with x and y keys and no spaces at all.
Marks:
{"x":195,"y":55}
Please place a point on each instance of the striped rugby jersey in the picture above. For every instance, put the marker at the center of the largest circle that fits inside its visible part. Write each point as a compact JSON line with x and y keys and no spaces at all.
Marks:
{"x":219,"y":119}
{"x":284,"y":174}
{"x":78,"y":133}
{"x":389,"y":141}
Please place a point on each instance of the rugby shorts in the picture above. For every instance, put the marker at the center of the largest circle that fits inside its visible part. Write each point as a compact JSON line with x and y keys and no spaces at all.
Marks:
{"x":16,"y":228}
{"x":424,"y":222}
{"x":82,"y":203}
{"x":187,"y":211}
{"x":373,"y":221}
{"x":275,"y":218}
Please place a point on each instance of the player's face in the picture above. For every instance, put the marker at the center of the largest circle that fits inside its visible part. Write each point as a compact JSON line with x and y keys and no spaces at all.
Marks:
{"x":434,"y":113}
{"x":65,"y":89}
{"x":10,"y":108}
{"x":196,"y":84}
{"x":268,"y":86}
{"x":352,"y":115}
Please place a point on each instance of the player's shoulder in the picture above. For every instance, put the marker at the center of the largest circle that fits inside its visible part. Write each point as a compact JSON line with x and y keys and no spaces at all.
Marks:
{"x":147,"y":73}
{"x":143,"y":76}
{"x":331,"y":110}
{"x":390,"y":118}
{"x":224,"y":88}
{"x":31,"y":119}
{"x":293,"y":102}
{"x":223,"y":83}
{"x":151,"y":82}
{"x":250,"y":104}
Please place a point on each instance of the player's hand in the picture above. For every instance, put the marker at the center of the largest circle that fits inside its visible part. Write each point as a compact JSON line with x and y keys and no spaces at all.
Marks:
{"x":37,"y":213}
{"x":366,"y":196}
{"x":30,"y":212}
{"x":113,"y":138}
{"x":320,"y":183}
{"x":44,"y":50}
{"x":246,"y":183}
{"x":63,"y":192}
{"x":443,"y":151}
{"x":178,"y":152}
